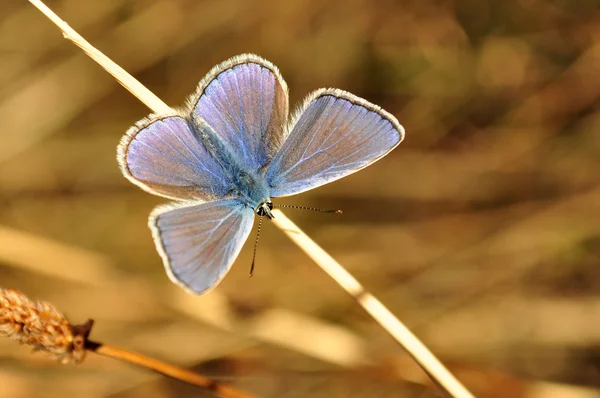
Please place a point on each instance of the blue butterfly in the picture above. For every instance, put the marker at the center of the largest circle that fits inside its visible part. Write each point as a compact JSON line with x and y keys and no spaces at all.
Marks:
{"x":232,"y":149}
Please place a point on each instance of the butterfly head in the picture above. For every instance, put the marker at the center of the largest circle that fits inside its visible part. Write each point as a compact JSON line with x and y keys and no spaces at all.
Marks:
{"x":264,"y":208}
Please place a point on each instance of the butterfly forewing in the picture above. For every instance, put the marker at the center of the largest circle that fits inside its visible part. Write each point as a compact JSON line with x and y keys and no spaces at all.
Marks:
{"x":198,"y":243}
{"x":164,"y":156}
{"x":245,"y":101}
{"x":335,"y":135}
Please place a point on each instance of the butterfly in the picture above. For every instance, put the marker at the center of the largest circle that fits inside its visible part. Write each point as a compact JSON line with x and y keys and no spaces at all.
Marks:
{"x":231,"y":149}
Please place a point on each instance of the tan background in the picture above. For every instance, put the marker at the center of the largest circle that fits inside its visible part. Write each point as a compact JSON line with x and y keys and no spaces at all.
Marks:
{"x":481,"y":231}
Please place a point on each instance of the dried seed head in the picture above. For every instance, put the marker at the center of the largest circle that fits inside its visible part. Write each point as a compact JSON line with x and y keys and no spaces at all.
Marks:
{"x":40,"y":325}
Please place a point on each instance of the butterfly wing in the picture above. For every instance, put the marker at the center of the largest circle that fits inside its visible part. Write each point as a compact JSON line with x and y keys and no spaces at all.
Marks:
{"x":245,"y":101}
{"x":164,"y":156}
{"x":198,"y":243}
{"x":334,"y":134}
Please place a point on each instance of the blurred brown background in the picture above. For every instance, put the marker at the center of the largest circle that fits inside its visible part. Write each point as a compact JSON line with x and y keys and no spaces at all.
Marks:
{"x":481,"y":231}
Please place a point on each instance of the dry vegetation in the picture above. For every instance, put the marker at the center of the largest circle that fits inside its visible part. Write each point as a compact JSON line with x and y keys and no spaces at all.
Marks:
{"x":481,"y":231}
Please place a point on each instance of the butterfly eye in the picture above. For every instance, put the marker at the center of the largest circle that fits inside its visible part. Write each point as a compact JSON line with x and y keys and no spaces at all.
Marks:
{"x":264,"y":209}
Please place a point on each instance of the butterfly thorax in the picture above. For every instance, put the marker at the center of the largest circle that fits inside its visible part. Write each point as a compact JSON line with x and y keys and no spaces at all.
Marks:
{"x":249,"y":186}
{"x":254,"y":191}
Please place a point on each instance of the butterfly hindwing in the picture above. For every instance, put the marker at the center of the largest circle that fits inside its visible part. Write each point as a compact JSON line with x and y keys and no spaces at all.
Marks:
{"x":199,"y":242}
{"x":163,"y":155}
{"x":245,"y":101}
{"x":334,"y":134}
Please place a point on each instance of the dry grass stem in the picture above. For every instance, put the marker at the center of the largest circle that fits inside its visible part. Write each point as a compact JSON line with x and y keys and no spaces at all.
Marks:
{"x":374,"y":307}
{"x":43,"y":327}
{"x":120,"y":74}
{"x":382,"y":315}
{"x":166,"y":369}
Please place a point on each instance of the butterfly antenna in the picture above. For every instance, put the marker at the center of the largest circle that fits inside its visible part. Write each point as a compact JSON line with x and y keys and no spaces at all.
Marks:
{"x":310,"y":208}
{"x":255,"y":246}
